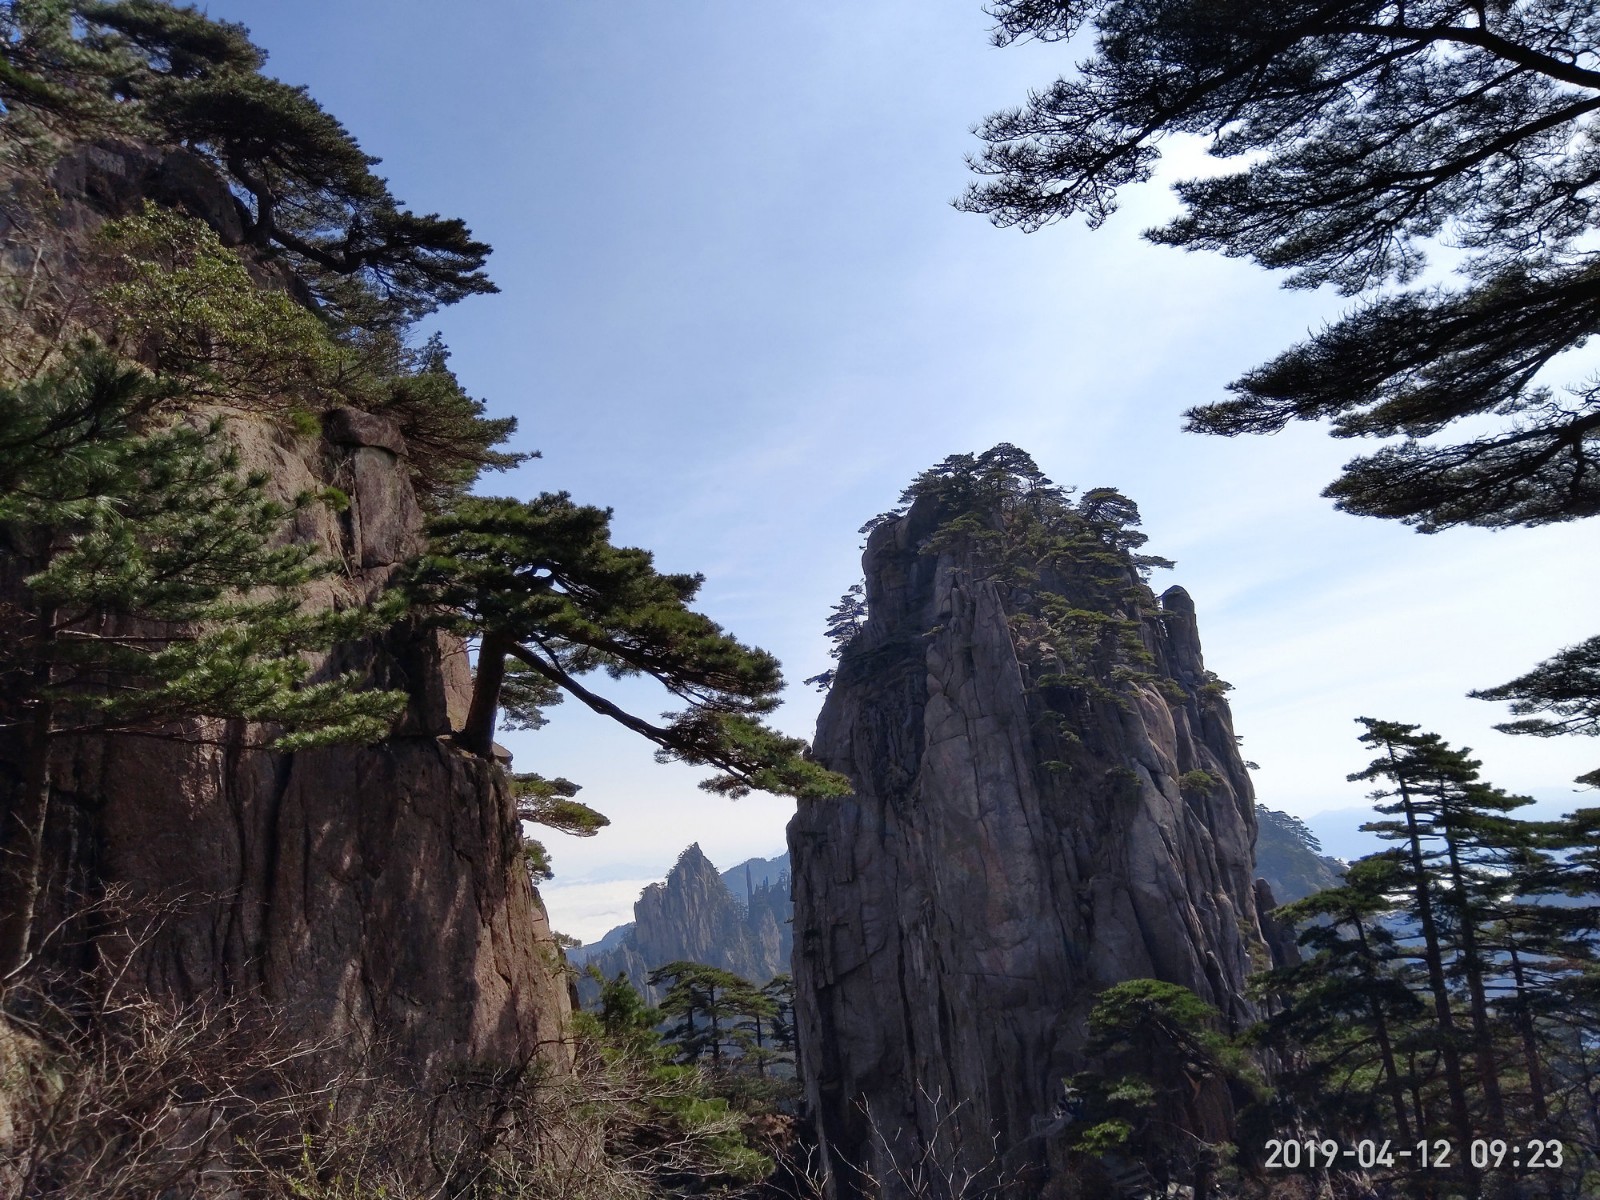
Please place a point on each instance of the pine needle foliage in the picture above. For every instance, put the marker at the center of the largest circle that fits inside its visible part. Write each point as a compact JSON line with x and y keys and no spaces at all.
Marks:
{"x":127,"y":534}
{"x":321,"y":229}
{"x":539,"y":583}
{"x":449,"y":439}
{"x":308,"y":191}
{"x":1561,"y":695}
{"x":188,"y":307}
{"x":1354,"y":137}
{"x":1446,"y":988}
{"x":1156,"y":1054}
{"x":677,"y":1110}
{"x":43,"y":70}
{"x":155,"y":588}
{"x":1072,"y":568}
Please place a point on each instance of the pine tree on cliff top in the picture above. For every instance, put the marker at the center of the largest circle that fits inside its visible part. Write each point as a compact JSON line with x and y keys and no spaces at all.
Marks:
{"x":305,"y":189}
{"x":1074,"y":566}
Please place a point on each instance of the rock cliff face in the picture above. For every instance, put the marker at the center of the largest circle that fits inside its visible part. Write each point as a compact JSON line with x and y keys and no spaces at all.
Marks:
{"x":1290,"y":859}
{"x":694,"y":916}
{"x":373,"y":894}
{"x":998,"y":865}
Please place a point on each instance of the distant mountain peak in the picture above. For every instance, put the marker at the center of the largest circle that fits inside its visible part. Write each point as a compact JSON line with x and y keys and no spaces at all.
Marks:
{"x":737,"y":919}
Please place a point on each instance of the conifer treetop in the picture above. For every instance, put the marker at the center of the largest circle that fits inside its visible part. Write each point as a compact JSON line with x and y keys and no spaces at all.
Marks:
{"x":304,"y":188}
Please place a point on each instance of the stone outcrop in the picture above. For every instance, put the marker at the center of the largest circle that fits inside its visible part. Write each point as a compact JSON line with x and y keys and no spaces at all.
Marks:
{"x":696,"y":916}
{"x":373,"y":894}
{"x":1000,"y":862}
{"x":376,"y":895}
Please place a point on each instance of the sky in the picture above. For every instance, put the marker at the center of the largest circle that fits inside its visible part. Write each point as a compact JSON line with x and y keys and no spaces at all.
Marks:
{"x":738,"y":308}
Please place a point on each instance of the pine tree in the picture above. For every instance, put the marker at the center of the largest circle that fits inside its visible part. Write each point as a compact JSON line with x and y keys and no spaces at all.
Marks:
{"x":780,"y":990}
{"x":1538,"y":943}
{"x":845,"y":620}
{"x":43,"y":69}
{"x":711,"y":1006}
{"x":1076,"y":563}
{"x":1467,"y":950}
{"x":1559,"y":696}
{"x":307,"y":191}
{"x":1347,"y":1005}
{"x":1410,"y":762}
{"x":756,"y":1016}
{"x":191,"y":311}
{"x":154,"y":590}
{"x":540,"y":584}
{"x":626,"y":1020}
{"x":1156,"y":1052}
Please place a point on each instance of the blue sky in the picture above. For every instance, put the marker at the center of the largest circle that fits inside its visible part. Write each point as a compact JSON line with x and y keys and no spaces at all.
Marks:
{"x":738,"y":308}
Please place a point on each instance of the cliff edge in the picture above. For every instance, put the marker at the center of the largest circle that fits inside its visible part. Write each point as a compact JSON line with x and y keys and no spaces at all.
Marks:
{"x":375,"y":896}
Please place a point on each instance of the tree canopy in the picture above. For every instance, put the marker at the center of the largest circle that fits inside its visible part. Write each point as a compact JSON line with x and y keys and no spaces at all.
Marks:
{"x":1361,"y":134}
{"x":1447,"y":983}
{"x":304,"y":188}
{"x":541,"y":585}
{"x":1075,"y":562}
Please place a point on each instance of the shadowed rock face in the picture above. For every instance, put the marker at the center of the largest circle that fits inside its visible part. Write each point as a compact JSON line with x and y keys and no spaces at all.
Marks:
{"x":376,"y":894}
{"x":956,"y":916}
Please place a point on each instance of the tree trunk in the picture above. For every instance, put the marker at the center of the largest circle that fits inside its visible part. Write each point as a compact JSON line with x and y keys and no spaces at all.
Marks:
{"x":477,"y":735}
{"x":1460,"y":1114}
{"x":1391,"y":1073}
{"x":23,"y":869}
{"x":1472,"y":968}
{"x":1530,"y":1044}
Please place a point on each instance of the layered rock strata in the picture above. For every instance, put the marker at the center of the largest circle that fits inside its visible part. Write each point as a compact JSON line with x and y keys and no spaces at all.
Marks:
{"x":1002,"y":860}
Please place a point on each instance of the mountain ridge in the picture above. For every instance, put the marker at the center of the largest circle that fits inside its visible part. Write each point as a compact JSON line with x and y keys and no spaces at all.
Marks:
{"x":738,"y":919}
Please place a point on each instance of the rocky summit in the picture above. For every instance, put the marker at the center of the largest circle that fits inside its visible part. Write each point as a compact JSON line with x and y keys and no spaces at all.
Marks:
{"x":734,"y":920}
{"x":1014,"y":845}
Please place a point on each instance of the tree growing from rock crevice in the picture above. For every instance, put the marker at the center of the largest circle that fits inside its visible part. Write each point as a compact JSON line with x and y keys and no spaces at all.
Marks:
{"x":1074,"y":564}
{"x":551,"y":600}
